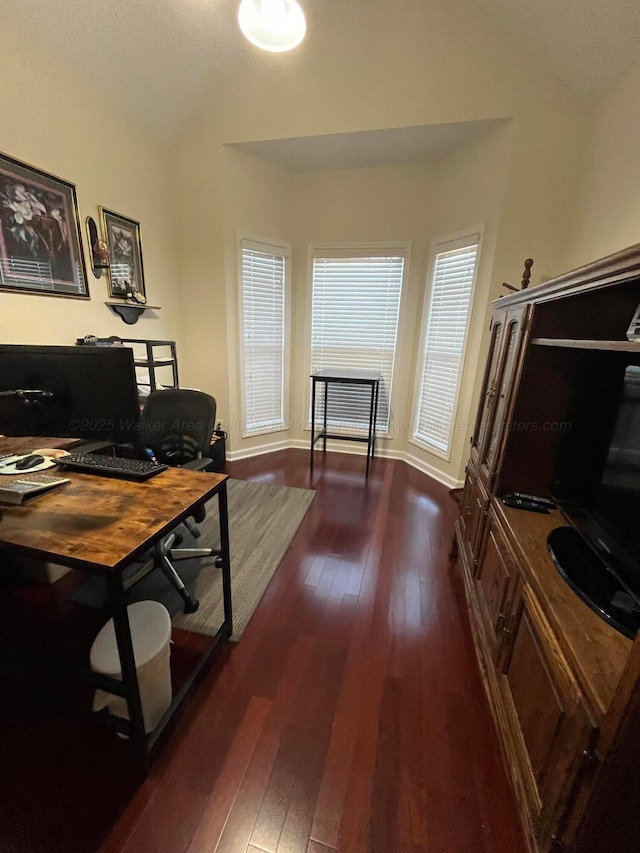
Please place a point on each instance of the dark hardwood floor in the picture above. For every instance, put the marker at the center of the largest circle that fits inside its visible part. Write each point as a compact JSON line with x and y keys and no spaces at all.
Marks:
{"x":350,"y":717}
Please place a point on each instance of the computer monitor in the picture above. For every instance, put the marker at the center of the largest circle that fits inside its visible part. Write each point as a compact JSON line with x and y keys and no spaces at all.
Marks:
{"x":69,"y":392}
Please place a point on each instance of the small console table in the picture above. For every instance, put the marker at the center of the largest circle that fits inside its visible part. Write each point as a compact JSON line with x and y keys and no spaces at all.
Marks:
{"x":345,"y":377}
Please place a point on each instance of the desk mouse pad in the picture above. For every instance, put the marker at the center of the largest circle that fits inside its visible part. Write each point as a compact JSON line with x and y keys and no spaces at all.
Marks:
{"x":8,"y":464}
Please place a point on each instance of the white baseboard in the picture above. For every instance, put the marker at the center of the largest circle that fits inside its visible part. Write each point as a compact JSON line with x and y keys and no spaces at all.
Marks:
{"x":260,"y":450}
{"x":347,"y":447}
{"x":440,"y":476}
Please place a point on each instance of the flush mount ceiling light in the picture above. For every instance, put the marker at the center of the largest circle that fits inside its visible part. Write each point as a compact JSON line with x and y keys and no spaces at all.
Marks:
{"x":274,"y":25}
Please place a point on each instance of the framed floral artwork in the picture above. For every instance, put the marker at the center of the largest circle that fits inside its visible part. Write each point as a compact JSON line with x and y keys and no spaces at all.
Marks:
{"x":122,"y":235}
{"x":40,"y":242}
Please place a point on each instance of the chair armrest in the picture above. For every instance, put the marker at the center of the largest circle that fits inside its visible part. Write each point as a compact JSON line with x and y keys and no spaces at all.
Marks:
{"x":203,"y":464}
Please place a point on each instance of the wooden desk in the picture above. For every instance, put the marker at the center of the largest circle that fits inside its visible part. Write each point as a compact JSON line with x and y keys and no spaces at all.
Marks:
{"x":28,"y":444}
{"x":100,"y":525}
{"x":371,"y":378}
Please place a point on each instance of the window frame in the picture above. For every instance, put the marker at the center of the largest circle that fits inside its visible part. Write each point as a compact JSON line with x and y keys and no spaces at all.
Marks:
{"x":282,"y":248}
{"x":437,"y":247}
{"x":398,"y":248}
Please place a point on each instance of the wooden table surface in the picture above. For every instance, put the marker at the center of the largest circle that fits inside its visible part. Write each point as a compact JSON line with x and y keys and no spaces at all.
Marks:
{"x":100,"y":523}
{"x":347,"y":375}
{"x":28,"y":444}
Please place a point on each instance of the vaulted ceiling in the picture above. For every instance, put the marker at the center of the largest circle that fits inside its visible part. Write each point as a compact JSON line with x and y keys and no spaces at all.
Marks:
{"x":587,"y":43}
{"x":159,"y":58}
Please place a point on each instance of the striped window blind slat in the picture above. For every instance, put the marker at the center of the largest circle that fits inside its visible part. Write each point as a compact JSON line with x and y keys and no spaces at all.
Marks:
{"x":355,"y":311}
{"x":452,"y":278}
{"x":263,"y":338}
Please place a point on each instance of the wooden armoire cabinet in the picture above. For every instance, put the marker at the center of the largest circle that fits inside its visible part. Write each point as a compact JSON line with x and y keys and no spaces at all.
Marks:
{"x":507,"y":330}
{"x":562,"y":683}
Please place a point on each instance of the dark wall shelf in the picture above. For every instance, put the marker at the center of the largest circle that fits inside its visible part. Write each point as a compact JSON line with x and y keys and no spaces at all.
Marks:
{"x":130,"y":312}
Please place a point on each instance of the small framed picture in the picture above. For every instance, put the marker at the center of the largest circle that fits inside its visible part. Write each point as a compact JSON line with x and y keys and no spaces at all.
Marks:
{"x":40,"y":242}
{"x":122,"y":235}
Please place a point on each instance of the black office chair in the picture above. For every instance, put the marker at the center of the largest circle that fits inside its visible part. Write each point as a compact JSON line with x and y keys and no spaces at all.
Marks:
{"x":176,"y":426}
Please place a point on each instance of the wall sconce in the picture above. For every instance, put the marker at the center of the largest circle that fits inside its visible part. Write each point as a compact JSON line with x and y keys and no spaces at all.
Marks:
{"x":273,"y":25}
{"x":98,"y":248}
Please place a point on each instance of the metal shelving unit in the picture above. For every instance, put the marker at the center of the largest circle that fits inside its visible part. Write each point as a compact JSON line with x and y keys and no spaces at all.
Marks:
{"x":147,"y":357}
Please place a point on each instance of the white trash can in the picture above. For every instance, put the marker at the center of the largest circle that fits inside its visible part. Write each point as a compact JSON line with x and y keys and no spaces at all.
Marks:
{"x":150,"y":625}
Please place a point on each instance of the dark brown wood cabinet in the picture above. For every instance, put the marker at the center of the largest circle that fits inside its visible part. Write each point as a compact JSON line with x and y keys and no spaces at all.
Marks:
{"x":474,"y":508}
{"x":500,"y":393}
{"x":495,"y":589}
{"x":550,"y":725}
{"x":489,"y":387}
{"x":563,"y":685}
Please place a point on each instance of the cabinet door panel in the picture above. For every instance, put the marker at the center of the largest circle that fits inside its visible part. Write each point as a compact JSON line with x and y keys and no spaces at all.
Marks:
{"x":479,"y":510}
{"x":497,"y":423}
{"x":473,"y":514}
{"x":535,"y":697}
{"x":502,"y":395}
{"x":547,"y":717}
{"x":466,"y":506}
{"x":487,"y":399}
{"x":494,"y":586}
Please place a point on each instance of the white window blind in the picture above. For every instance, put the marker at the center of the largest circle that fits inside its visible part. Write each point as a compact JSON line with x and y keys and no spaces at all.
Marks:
{"x":263,"y":298}
{"x":356,"y":303}
{"x":452,"y":278}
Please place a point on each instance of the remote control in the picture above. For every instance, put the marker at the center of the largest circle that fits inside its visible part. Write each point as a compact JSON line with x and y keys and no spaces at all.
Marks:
{"x":544,"y":501}
{"x":510,"y":499}
{"x":26,"y":488}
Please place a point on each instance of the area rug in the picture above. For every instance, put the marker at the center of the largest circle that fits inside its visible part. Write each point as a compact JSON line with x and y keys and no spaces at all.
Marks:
{"x":263,"y":520}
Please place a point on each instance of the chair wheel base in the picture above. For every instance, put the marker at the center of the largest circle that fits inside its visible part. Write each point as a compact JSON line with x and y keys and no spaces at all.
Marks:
{"x":218,"y":562}
{"x":191,"y":604}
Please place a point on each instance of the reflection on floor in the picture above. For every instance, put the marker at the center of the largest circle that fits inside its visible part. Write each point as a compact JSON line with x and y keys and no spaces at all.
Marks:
{"x":350,"y":717}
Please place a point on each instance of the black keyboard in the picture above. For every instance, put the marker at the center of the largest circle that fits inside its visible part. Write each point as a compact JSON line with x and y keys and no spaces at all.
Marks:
{"x":111,"y":466}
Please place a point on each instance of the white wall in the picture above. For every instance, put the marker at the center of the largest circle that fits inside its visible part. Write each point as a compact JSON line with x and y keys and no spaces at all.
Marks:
{"x":426,"y":64}
{"x":420,"y":66}
{"x":419,"y":204}
{"x":606,"y":211}
{"x":258,"y":202}
{"x":51,"y":120}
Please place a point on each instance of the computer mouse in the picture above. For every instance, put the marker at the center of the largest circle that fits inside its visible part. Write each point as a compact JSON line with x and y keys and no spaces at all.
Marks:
{"x":29,"y":462}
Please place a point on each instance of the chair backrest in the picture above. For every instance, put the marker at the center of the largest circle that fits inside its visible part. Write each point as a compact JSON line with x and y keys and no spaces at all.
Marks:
{"x":177,"y":424}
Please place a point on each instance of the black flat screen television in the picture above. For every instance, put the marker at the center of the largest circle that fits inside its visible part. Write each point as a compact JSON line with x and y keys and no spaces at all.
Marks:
{"x":69,"y":392}
{"x":597,"y":478}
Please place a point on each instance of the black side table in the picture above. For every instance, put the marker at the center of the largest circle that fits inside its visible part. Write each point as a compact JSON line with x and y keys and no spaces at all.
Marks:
{"x":328,"y":376}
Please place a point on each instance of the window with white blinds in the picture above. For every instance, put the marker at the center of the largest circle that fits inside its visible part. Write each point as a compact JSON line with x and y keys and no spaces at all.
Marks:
{"x":451,"y":281}
{"x":355,"y":309}
{"x":263,"y":300}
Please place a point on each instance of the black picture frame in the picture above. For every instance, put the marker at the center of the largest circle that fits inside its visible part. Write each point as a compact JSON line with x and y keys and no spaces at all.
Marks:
{"x":122,"y":236}
{"x":41,"y":248}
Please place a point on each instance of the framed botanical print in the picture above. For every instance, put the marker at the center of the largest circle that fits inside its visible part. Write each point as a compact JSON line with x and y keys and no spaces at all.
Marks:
{"x":122,"y":236}
{"x":40,"y":243}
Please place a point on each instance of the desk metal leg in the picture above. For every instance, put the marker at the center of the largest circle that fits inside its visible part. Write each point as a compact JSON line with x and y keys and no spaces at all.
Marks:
{"x":375,"y":418}
{"x":324,"y":425}
{"x":313,"y":421}
{"x":371,"y":437}
{"x":128,"y":666}
{"x":226,"y":565}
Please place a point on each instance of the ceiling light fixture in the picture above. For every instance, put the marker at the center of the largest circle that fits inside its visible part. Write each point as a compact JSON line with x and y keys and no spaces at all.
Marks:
{"x":274,"y":25}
